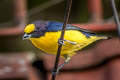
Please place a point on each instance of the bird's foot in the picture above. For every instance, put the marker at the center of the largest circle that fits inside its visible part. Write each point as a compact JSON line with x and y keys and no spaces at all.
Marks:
{"x":61,"y":66}
{"x":58,"y":69}
{"x":67,"y":60}
{"x":54,"y":72}
{"x":62,"y":42}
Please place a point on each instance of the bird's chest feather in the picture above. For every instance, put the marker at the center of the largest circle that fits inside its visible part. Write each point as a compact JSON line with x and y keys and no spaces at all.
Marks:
{"x":49,"y":42}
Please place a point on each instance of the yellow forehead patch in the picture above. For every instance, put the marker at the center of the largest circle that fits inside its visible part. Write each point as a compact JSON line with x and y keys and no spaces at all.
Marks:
{"x":29,"y":28}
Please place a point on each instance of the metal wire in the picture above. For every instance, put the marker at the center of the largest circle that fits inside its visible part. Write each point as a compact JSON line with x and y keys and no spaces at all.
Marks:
{"x":115,"y":16}
{"x":66,"y":18}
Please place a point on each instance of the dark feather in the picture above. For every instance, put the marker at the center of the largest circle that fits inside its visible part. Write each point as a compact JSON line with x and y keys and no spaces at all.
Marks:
{"x":41,"y":25}
{"x":53,"y":26}
{"x":57,"y":26}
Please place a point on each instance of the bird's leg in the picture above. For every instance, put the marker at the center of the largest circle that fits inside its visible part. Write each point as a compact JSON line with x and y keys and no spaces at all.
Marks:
{"x":62,"y":42}
{"x":70,"y":42}
{"x":67,"y":60}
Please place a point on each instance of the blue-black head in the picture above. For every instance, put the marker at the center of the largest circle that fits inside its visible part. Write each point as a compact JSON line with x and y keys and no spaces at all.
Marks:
{"x":35,"y":29}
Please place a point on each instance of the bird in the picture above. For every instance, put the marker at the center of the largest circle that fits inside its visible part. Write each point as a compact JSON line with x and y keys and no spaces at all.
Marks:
{"x":45,"y":35}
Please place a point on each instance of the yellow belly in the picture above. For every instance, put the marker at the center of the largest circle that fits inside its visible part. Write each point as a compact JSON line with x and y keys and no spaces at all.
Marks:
{"x":49,"y":42}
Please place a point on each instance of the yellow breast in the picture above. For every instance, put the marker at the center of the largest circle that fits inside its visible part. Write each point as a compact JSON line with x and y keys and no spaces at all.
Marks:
{"x":49,"y":42}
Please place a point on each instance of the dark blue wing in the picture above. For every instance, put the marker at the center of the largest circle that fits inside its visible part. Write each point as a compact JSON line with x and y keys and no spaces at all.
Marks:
{"x":57,"y":26}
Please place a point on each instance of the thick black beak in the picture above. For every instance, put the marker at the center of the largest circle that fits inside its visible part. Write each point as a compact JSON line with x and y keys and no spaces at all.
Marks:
{"x":26,"y":36}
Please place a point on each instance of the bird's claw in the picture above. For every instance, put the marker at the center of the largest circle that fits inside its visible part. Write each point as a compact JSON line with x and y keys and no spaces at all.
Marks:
{"x":67,"y":60}
{"x":62,"y":42}
{"x":58,"y":69}
{"x":55,"y":72}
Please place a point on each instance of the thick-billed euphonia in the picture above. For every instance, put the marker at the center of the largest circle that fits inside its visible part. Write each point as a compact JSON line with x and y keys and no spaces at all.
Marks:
{"x":45,"y":36}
